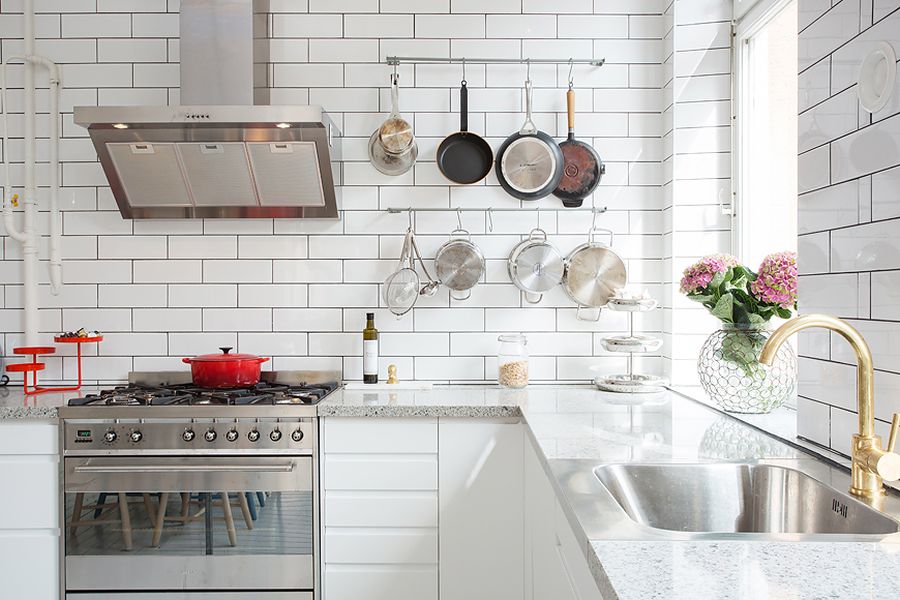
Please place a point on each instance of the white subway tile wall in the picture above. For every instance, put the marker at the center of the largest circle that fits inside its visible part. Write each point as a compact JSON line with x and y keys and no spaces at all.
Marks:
{"x":848,"y":209}
{"x":297,"y":291}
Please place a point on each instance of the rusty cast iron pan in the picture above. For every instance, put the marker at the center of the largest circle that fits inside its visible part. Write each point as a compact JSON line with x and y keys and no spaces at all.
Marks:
{"x":583,"y":167}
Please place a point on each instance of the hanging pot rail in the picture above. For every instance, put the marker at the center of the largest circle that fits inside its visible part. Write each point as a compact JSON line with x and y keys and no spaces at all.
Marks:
{"x":399,"y":60}
{"x":398,"y":209}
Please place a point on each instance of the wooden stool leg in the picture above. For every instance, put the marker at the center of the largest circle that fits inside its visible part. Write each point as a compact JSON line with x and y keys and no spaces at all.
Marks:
{"x":160,"y":519}
{"x":229,"y":519}
{"x":185,"y":504}
{"x":126,"y":521}
{"x":245,"y":509}
{"x":76,"y":513}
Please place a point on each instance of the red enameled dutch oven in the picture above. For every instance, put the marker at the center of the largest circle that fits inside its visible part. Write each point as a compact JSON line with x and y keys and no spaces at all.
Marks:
{"x":225,"y":370}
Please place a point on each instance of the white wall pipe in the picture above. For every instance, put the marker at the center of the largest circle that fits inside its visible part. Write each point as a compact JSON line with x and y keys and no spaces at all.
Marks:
{"x":30,"y":246}
{"x":55,"y":241}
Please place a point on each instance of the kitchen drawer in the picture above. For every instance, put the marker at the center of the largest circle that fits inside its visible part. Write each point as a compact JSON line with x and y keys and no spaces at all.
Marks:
{"x":196,"y":596}
{"x":29,"y":437}
{"x":380,"y":472}
{"x":371,"y":582}
{"x":380,"y":436}
{"x":574,"y":559}
{"x":381,"y":509}
{"x":29,"y":565}
{"x":31,"y":492}
{"x":381,"y":546}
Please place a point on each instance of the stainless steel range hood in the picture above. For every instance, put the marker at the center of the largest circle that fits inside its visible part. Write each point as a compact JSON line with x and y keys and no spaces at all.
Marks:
{"x":225,"y":152}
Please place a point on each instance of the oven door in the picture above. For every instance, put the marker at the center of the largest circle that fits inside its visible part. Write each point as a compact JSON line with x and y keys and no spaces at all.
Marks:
{"x":189,"y":523}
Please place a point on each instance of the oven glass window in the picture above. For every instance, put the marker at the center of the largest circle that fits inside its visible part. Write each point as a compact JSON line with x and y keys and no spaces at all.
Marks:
{"x":218,"y":523}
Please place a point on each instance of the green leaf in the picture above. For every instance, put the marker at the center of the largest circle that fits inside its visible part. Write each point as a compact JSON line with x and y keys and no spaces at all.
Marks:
{"x":717,"y":280}
{"x":756,"y":319}
{"x":724,"y":307}
{"x":702,"y":298}
{"x":783,"y":313}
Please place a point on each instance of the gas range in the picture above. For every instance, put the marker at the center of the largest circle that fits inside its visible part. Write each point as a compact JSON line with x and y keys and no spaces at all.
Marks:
{"x":177,"y":491}
{"x":164,"y":413}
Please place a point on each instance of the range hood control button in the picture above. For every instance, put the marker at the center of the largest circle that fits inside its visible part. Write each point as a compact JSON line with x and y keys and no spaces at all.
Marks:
{"x":210,"y":435}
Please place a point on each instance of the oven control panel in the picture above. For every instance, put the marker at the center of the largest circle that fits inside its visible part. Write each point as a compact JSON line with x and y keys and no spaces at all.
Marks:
{"x":160,"y":436}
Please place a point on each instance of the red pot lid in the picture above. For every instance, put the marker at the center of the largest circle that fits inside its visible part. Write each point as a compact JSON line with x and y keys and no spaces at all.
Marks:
{"x":225,"y":356}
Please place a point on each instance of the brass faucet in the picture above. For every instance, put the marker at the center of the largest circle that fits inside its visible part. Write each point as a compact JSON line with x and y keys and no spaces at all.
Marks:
{"x":871,"y":463}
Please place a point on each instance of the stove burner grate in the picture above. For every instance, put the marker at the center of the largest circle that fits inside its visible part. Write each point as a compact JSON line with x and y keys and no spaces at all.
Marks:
{"x":188,"y":394}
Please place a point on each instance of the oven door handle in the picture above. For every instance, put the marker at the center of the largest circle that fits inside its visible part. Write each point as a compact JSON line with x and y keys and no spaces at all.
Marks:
{"x":279,"y":467}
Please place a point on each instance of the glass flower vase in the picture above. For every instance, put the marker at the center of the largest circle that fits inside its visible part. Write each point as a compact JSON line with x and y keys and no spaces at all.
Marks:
{"x":732,"y":376}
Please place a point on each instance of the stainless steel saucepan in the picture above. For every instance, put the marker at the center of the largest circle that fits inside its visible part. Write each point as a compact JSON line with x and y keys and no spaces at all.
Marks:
{"x":535,"y":266}
{"x":594,"y":273}
{"x":459,"y":264}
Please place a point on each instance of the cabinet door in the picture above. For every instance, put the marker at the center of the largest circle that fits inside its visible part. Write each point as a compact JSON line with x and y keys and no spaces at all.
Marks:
{"x":481,"y":489}
{"x":29,"y":565}
{"x":573,"y":559}
{"x":543,"y":561}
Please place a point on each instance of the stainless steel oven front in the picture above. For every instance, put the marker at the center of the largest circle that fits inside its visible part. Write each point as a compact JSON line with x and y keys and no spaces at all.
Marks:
{"x":228,"y":512}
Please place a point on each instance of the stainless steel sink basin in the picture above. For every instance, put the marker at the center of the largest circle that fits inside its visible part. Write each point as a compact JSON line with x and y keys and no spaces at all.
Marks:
{"x":732,"y":498}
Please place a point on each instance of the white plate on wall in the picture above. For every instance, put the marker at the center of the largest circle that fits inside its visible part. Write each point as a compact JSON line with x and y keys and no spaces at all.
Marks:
{"x":876,"y":77}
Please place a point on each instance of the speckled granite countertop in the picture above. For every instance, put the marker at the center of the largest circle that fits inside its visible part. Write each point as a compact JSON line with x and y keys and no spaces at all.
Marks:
{"x":579,"y":422}
{"x":14,"y":404}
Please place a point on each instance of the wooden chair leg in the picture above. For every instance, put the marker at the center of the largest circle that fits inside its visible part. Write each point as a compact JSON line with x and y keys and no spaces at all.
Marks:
{"x":245,"y":509}
{"x":148,"y":506}
{"x":160,"y":519}
{"x":126,"y":521}
{"x":185,"y":504}
{"x":76,"y":513}
{"x":229,"y":519}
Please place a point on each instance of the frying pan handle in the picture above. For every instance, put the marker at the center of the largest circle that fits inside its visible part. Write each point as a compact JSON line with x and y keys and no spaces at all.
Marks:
{"x":570,"y":109}
{"x":598,"y":231}
{"x":463,"y":107}
{"x":395,"y":96}
{"x":528,"y":127}
{"x":581,"y":318}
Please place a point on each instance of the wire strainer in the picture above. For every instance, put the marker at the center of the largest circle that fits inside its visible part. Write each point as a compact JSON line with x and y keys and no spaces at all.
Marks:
{"x":401,"y":288}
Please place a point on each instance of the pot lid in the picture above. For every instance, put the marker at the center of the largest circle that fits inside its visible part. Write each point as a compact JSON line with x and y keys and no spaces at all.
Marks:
{"x":594,"y":275}
{"x":225,"y":356}
{"x":539,"y":267}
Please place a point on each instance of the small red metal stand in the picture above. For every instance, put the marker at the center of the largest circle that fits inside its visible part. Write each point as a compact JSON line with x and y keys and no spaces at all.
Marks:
{"x":34,"y":366}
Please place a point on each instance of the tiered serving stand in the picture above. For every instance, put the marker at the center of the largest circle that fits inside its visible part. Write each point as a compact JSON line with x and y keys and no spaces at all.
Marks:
{"x":34,"y":366}
{"x":631,"y":344}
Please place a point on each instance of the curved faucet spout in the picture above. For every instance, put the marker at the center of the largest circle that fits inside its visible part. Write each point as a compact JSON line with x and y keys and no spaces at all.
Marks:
{"x":865,"y":380}
{"x":871,"y":463}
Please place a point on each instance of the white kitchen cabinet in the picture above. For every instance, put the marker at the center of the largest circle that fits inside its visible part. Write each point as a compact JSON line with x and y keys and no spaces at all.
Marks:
{"x":380,"y":509}
{"x":29,"y":510}
{"x":555,"y":563}
{"x":481,"y":509}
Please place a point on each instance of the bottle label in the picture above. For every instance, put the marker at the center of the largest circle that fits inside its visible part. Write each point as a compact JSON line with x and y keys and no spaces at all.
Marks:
{"x":370,"y":357}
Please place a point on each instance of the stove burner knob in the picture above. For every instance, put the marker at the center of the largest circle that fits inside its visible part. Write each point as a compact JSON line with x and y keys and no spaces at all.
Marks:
{"x":297,"y":435}
{"x":110,"y":436}
{"x":253,"y":436}
{"x":136,"y":436}
{"x":188,"y":435}
{"x":210,"y":435}
{"x":231,"y":435}
{"x":275,"y":435}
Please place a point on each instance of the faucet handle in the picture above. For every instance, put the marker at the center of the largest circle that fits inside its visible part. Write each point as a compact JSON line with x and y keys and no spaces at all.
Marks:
{"x":895,"y":429}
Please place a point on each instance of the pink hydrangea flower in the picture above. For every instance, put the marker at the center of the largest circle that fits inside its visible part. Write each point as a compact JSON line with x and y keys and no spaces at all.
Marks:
{"x":777,"y":281}
{"x":700,"y":274}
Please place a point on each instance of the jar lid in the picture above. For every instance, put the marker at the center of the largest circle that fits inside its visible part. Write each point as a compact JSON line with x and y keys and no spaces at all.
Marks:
{"x":518,"y":338}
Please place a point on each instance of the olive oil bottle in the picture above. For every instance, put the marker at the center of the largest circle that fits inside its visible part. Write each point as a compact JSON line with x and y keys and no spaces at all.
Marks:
{"x":370,"y":350}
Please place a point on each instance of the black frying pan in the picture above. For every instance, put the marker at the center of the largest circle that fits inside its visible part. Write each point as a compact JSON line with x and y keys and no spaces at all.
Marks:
{"x":529,"y":163}
{"x":583,"y":167}
{"x":464,"y":157}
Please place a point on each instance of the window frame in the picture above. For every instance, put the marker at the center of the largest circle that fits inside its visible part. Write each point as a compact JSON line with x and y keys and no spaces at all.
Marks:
{"x":743,"y":31}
